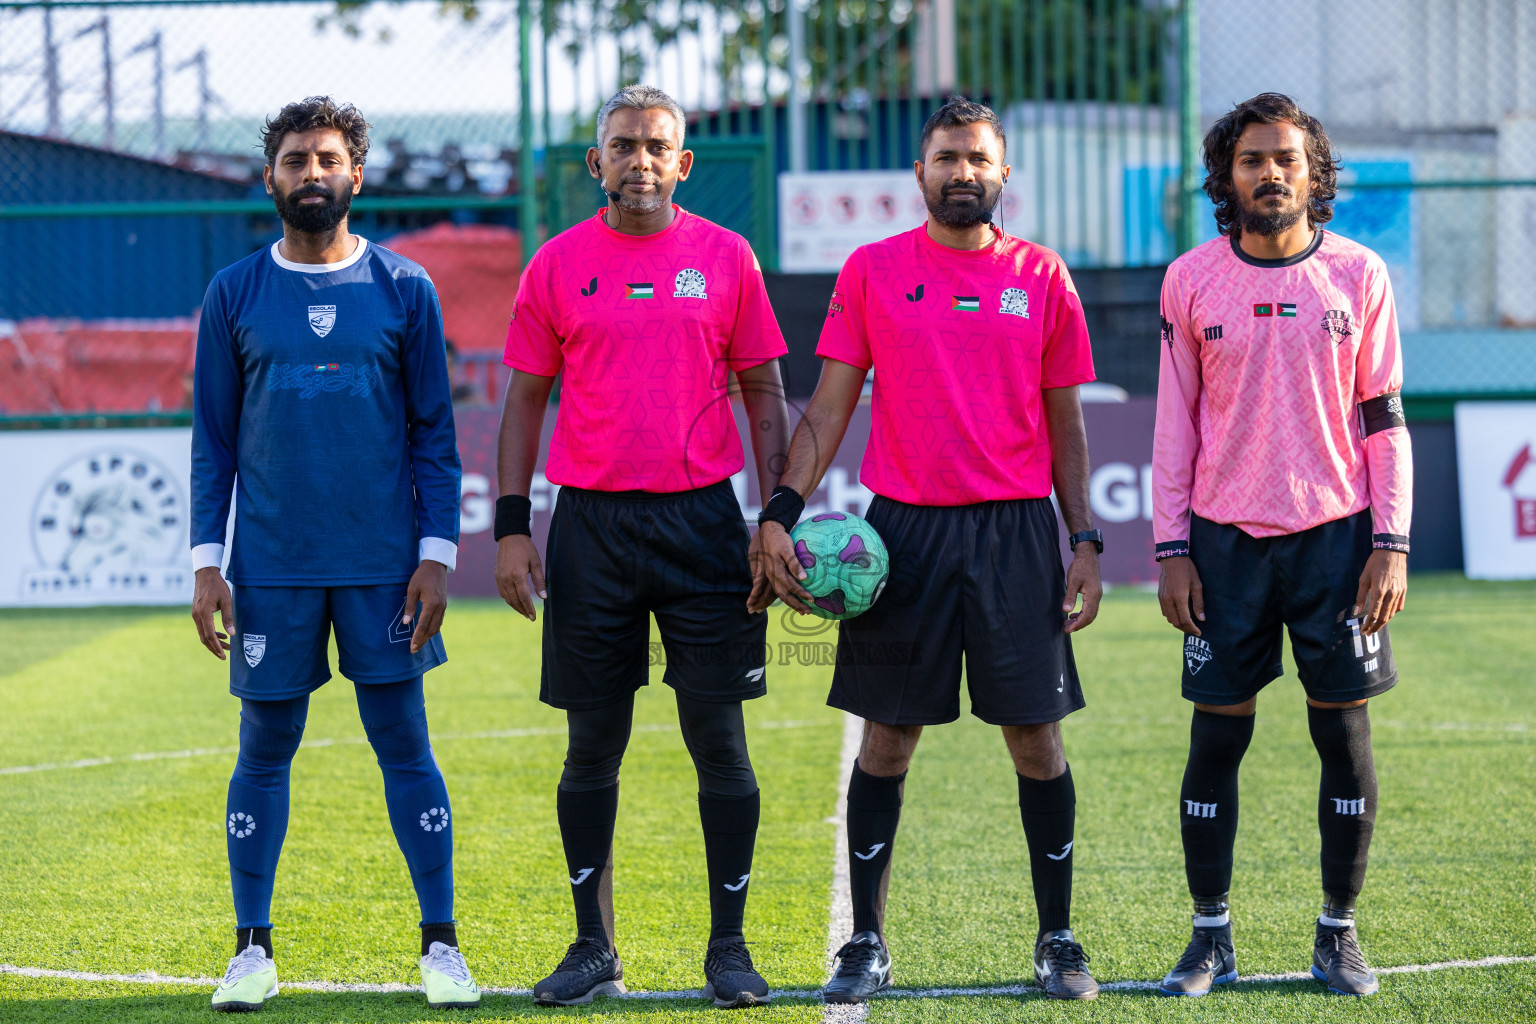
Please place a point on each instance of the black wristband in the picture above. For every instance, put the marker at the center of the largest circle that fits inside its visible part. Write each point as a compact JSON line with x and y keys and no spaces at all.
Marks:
{"x":514,"y":515}
{"x":784,"y":507}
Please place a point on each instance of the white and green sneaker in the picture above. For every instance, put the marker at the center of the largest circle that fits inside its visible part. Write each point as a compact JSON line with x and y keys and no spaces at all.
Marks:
{"x":250,"y":980}
{"x":446,"y":978}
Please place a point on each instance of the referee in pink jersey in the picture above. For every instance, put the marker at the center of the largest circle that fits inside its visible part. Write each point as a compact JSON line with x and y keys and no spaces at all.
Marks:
{"x":1282,"y":486}
{"x":647,"y":311}
{"x":978,"y":344}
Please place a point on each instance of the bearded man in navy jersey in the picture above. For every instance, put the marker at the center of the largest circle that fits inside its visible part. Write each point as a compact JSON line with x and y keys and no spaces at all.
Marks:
{"x":321,"y":403}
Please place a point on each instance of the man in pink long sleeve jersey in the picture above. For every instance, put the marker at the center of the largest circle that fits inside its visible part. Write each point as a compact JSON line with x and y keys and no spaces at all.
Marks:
{"x":1282,"y":495}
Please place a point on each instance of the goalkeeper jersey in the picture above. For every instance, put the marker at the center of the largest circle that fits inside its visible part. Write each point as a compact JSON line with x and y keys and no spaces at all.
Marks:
{"x":1269,"y":369}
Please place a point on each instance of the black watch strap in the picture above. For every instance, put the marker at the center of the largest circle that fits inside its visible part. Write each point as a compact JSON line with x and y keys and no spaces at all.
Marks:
{"x":1097,"y":536}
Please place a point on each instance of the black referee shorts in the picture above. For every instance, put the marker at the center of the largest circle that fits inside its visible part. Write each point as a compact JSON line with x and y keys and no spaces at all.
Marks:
{"x":983,"y":582}
{"x":1258,"y":587}
{"x":615,"y":559}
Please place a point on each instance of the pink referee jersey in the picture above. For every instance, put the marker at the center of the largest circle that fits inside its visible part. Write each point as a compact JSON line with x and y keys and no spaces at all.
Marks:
{"x":647,"y":329}
{"x":1265,"y":365}
{"x":961,"y":342}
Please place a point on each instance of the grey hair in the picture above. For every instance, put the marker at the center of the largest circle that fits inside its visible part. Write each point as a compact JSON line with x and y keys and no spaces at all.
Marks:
{"x":642,"y":97}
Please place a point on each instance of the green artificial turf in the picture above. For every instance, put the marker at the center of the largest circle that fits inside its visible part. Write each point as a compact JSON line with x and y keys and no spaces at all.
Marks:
{"x":119,"y":867}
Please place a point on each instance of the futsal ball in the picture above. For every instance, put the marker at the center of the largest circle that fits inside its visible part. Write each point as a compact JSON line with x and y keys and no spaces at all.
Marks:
{"x":845,"y":563}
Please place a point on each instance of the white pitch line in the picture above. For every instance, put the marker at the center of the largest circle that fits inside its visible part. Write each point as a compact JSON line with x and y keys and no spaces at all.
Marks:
{"x":837,"y":1013}
{"x":487,"y":734}
{"x":840,"y":915}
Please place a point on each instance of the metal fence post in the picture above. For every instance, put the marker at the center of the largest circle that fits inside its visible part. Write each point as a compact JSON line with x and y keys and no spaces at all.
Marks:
{"x":1189,"y":124}
{"x":527,"y":203}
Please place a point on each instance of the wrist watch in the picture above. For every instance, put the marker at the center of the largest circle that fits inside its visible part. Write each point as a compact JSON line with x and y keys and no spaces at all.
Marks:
{"x":1096,"y":536}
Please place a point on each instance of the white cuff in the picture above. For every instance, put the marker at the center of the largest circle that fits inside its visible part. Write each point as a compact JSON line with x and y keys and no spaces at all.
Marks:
{"x":207,"y":556}
{"x":438,"y":550}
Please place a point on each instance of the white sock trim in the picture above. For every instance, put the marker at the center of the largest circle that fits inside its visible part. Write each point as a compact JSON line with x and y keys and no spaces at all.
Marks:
{"x":1332,"y":922}
{"x":1213,"y":922}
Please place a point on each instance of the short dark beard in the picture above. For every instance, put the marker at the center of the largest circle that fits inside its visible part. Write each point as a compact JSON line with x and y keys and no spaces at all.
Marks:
{"x":320,"y":219}
{"x":658,"y":200}
{"x":1251,"y":220}
{"x":952,"y":215}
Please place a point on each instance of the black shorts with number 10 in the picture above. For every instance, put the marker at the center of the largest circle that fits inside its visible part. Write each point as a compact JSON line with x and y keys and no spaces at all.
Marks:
{"x":615,"y":559}
{"x":1256,"y":588}
{"x":983,"y":583}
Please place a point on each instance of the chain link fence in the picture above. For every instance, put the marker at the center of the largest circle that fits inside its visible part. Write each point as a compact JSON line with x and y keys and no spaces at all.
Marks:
{"x":1432,"y":106}
{"x":130,"y":168}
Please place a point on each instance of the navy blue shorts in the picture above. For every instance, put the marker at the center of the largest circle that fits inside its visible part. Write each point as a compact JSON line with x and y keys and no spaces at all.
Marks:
{"x":617,"y":558}
{"x":1258,"y":588}
{"x":279,"y":650}
{"x":983,"y":583}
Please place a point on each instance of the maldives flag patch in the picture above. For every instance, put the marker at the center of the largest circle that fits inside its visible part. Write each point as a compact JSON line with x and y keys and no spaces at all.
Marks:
{"x":1264,"y":309}
{"x":639,"y":291}
{"x":967,"y":303}
{"x":1286,"y":309}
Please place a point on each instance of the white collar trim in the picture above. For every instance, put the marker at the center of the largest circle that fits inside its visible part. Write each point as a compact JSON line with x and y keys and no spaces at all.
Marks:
{"x":321,"y":268}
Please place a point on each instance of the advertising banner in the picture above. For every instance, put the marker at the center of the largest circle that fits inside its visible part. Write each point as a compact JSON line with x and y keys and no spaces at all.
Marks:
{"x":95,"y":517}
{"x":100,"y":516}
{"x":1120,"y":489}
{"x":1496,"y":463}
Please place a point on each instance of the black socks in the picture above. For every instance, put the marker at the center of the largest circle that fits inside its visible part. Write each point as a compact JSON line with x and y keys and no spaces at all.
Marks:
{"x":1346,"y":804}
{"x":1208,"y":807}
{"x":1049,"y":810}
{"x":253,"y":937}
{"x":874,"y":811}
{"x":586,"y":830}
{"x":730,"y":833}
{"x":444,"y":932}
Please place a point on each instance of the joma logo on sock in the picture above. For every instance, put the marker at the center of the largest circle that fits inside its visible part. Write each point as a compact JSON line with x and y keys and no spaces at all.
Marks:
{"x":1348,"y":806}
{"x":1195,"y":809}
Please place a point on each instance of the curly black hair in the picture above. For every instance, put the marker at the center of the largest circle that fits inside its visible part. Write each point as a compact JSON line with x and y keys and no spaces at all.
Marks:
{"x":317,"y":112}
{"x":958,"y":111}
{"x":1220,"y":148}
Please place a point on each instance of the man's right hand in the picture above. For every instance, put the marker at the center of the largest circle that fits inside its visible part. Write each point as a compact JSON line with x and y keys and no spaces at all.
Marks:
{"x":516,"y":560}
{"x":210,"y":593}
{"x":776,"y":572}
{"x":1180,"y":594}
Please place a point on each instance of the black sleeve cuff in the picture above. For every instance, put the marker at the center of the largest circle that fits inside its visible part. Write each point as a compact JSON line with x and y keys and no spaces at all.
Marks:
{"x":1390,"y":542}
{"x":1173,"y":549}
{"x":1382,"y":413}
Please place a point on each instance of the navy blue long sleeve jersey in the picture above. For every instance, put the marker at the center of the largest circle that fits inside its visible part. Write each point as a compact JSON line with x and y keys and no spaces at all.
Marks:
{"x":321,"y":400}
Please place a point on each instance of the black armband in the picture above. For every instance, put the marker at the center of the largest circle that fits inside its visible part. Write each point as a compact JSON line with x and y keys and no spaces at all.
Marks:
{"x":784,"y":507}
{"x":1173,"y":549}
{"x":1382,"y":413}
{"x":1389,"y":542}
{"x":514,"y":515}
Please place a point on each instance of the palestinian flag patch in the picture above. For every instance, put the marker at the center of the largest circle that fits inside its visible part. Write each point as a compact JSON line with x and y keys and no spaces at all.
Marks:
{"x":967,"y":303}
{"x":639,"y":291}
{"x":1286,"y":309}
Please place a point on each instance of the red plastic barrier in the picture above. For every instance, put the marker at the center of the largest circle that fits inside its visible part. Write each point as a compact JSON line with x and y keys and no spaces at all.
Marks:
{"x":75,"y":366}
{"x":475,"y":268}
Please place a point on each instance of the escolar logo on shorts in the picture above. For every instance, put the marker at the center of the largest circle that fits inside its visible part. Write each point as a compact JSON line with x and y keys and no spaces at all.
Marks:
{"x":1196,"y":653}
{"x":254,"y":647}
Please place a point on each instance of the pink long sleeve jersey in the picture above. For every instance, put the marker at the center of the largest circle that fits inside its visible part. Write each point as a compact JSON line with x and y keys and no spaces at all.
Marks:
{"x":1278,"y":402}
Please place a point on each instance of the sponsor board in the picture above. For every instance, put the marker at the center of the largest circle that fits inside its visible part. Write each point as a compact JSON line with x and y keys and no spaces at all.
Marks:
{"x":95,"y":517}
{"x":1496,"y":466}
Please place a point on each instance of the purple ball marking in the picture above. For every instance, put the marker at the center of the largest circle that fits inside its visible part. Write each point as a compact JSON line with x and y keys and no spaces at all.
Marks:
{"x":803,"y":553}
{"x":855,"y":551}
{"x":833,"y":602}
{"x":828,"y":515}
